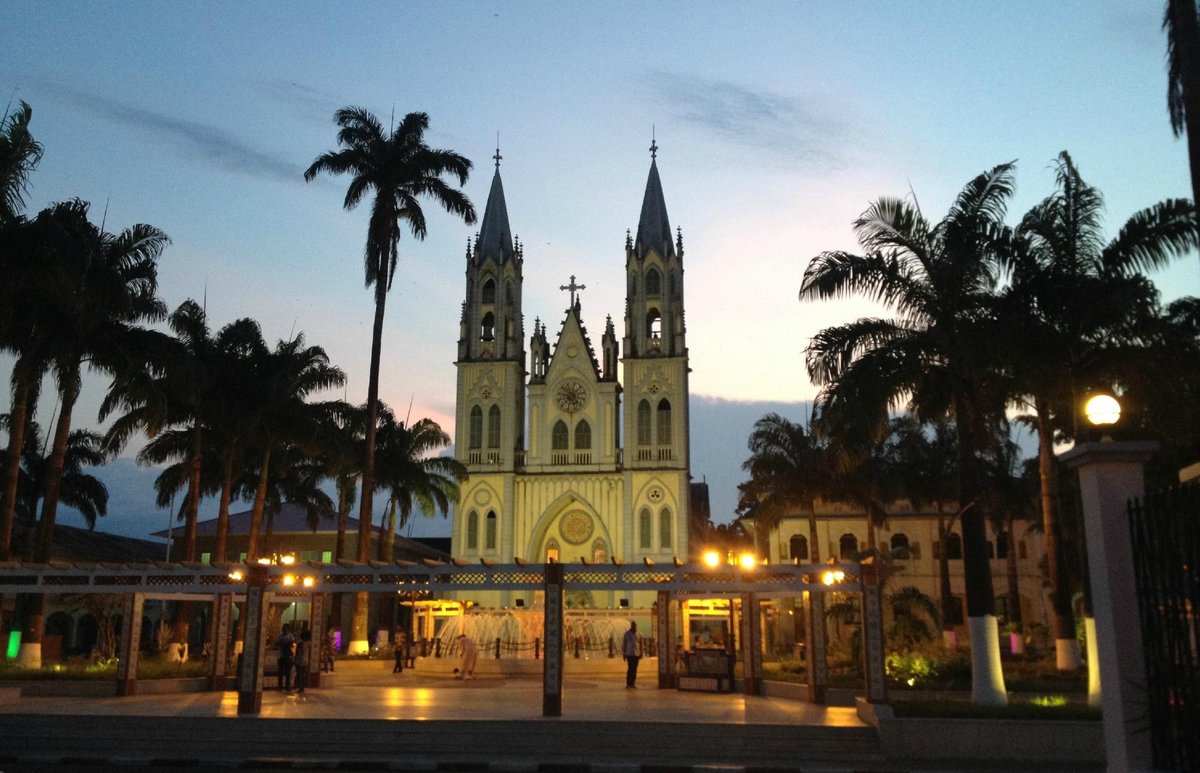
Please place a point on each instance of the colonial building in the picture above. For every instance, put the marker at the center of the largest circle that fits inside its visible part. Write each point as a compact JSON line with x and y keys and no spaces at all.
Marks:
{"x":574,"y":453}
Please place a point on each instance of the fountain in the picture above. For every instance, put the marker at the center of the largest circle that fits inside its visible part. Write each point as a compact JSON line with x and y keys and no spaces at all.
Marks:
{"x":511,"y":641}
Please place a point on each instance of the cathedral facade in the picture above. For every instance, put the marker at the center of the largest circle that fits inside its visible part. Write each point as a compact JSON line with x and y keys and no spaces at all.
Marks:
{"x":573,"y":453}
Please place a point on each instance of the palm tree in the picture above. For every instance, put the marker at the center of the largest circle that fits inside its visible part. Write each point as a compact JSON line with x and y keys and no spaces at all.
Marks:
{"x":107,"y":285}
{"x":1183,"y":79}
{"x":400,"y":168}
{"x":286,"y":377}
{"x":925,"y":464}
{"x":934,"y":357}
{"x":789,"y":470}
{"x":1071,"y":313}
{"x":19,"y":155}
{"x":413,"y":477}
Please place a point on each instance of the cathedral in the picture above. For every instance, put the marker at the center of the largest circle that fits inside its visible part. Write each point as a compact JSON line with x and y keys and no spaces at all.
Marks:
{"x":570,"y":457}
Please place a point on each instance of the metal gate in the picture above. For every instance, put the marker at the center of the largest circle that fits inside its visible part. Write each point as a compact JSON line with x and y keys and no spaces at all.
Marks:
{"x":1166,"y":555}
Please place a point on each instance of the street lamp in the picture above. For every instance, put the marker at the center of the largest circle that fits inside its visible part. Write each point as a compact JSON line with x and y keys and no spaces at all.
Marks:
{"x":1102,"y":410}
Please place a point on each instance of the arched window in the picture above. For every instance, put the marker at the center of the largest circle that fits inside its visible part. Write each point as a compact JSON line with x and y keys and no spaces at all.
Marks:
{"x":847,"y":546}
{"x":487,"y":328}
{"x":644,"y":528}
{"x":899,"y":541}
{"x":489,"y":535}
{"x":472,"y":530}
{"x":653,"y":282}
{"x":599,"y":551}
{"x":552,"y":552}
{"x":798,"y":547}
{"x":583,"y":435}
{"x":494,"y":427}
{"x":665,"y":530}
{"x":953,"y":546}
{"x":475,"y":428}
{"x":653,"y":324}
{"x":664,"y":422}
{"x":643,"y":423}
{"x":558,"y":436}
{"x":489,"y":291}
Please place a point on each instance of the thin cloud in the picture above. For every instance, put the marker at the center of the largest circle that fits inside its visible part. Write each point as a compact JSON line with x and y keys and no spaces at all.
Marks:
{"x":758,"y":120}
{"x":204,"y":142}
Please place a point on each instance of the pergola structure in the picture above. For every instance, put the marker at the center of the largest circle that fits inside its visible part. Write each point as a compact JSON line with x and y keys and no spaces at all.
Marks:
{"x":258,"y":584}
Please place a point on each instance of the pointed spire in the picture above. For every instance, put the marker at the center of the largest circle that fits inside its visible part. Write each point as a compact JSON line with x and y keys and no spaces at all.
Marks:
{"x":654,"y":227}
{"x":495,"y":236}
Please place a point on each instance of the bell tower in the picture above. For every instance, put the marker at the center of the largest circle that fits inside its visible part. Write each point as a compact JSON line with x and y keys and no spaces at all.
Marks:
{"x":655,"y":348}
{"x":491,"y":344}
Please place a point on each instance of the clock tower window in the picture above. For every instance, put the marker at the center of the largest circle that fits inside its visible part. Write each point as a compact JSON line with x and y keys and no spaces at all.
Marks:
{"x":664,"y":422}
{"x":643,"y":423}
{"x":475,"y":428}
{"x":473,"y":530}
{"x":489,"y":539}
{"x":489,"y":291}
{"x":653,"y":283}
{"x":644,"y":529}
{"x":664,"y":529}
{"x":487,"y":328}
{"x":583,"y":435}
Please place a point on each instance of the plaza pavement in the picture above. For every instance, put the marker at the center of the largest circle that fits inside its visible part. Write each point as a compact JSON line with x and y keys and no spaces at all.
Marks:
{"x":372,"y":719}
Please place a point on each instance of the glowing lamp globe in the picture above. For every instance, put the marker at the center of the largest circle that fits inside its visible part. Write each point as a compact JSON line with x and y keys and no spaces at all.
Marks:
{"x":747,"y":561}
{"x":712,"y":559}
{"x":1102,"y":410}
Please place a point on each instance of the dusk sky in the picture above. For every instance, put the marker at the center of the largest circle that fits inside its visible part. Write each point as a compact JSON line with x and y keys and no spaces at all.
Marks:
{"x":777,"y":124}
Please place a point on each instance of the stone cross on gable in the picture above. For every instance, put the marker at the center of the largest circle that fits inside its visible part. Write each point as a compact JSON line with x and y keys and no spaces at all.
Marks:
{"x":572,"y":287}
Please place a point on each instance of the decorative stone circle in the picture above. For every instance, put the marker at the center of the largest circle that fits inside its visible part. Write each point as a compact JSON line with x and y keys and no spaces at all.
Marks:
{"x":576,"y":527}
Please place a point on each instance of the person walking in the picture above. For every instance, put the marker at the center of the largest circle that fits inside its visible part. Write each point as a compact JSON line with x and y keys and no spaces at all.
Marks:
{"x":632,"y":647}
{"x":284,"y":645}
{"x":303,"y":659}
{"x":467,"y":653}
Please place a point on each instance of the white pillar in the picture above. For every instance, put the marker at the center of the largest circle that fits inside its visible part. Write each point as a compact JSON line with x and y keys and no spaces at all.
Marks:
{"x":1111,"y":473}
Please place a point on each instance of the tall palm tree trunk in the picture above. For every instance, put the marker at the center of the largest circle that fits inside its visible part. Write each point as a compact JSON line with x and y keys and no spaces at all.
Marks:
{"x":256,"y":514}
{"x":1185,"y":33}
{"x":987,"y":675}
{"x":814,"y":549}
{"x":24,"y":398}
{"x":193,"y":501}
{"x":947,"y":597}
{"x":1066,"y":646}
{"x":358,"y":636}
{"x":223,"y":510}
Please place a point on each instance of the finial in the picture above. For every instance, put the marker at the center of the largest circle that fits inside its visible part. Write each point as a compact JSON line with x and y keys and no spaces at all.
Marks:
{"x":653,"y":144}
{"x":497,"y":157}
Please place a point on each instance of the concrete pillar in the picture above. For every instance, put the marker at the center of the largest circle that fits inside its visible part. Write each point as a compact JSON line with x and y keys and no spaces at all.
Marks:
{"x":131,"y":644}
{"x":1111,"y":473}
{"x":218,"y":643}
{"x":667,"y":646}
{"x":873,"y":642}
{"x":552,"y":666}
{"x":752,"y":657}
{"x":316,"y":624}
{"x":250,"y":675}
{"x":815,"y":646}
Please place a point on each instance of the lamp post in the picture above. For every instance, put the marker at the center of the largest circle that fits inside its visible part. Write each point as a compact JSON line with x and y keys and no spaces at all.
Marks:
{"x":1110,"y":474}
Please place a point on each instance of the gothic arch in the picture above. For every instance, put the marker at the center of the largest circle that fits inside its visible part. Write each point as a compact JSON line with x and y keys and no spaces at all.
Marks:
{"x":542,"y":531}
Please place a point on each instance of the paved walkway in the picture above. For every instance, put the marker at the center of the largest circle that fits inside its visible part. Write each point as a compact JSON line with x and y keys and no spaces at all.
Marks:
{"x":372,"y":719}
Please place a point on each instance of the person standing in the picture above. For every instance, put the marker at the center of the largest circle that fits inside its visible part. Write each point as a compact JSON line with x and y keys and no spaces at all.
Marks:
{"x":303,"y":659}
{"x":467,"y":653}
{"x":399,"y":647}
{"x":284,"y":645}
{"x":632,"y":647}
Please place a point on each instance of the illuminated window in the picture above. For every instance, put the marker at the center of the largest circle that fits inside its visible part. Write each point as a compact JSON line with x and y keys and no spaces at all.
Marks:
{"x":552,"y":552}
{"x":599,"y":551}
